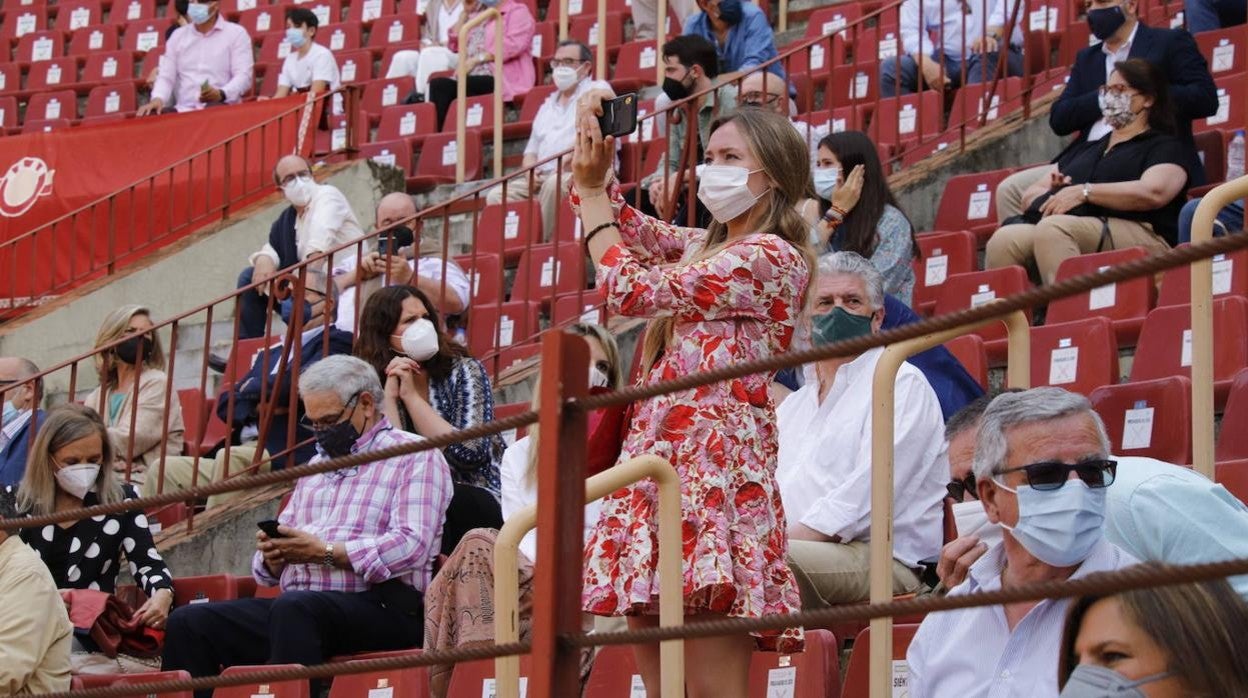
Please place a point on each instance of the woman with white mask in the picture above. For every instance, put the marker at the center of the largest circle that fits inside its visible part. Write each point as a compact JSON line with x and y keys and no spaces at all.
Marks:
{"x":433,"y":386}
{"x":715,"y":297}
{"x":69,"y":469}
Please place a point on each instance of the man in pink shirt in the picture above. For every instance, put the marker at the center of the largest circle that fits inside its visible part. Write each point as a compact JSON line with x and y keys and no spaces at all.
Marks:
{"x":206,"y":62}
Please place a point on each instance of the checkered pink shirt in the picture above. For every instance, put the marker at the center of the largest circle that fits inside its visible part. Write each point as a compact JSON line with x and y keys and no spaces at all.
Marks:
{"x":388,"y":513}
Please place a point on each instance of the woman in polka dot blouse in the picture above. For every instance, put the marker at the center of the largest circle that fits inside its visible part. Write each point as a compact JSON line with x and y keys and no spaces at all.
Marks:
{"x":64,"y":472}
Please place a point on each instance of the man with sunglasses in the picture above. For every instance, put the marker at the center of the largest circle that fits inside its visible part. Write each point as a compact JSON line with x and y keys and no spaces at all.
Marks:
{"x":1155,"y":511}
{"x":1041,"y":468}
{"x":354,"y":549}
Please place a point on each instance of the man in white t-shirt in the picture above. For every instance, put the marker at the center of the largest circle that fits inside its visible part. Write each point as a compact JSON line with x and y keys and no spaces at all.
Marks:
{"x":309,"y":65}
{"x":554,"y":130}
{"x":358,"y":279}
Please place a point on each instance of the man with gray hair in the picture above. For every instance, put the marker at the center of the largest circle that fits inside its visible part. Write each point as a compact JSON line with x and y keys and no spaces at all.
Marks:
{"x":1042,"y":467}
{"x":22,"y":415}
{"x":353,"y":551}
{"x":824,"y":468}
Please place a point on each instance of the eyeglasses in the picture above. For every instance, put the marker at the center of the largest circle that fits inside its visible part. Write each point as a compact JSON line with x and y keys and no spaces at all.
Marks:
{"x":1117,"y":90}
{"x":1052,"y":475}
{"x":760,"y":98}
{"x":292,"y":177}
{"x":322,"y":424}
{"x":565,"y":62}
{"x":958,"y":489}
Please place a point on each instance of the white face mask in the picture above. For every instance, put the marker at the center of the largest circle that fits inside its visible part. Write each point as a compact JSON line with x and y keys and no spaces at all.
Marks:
{"x":299,"y":191}
{"x":725,"y":191}
{"x":973,"y":520}
{"x":78,"y":479}
{"x":565,"y":77}
{"x":597,"y":378}
{"x":420,"y":340}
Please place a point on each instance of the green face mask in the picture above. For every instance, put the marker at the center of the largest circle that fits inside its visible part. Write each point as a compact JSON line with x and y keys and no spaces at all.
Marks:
{"x":839,"y":325}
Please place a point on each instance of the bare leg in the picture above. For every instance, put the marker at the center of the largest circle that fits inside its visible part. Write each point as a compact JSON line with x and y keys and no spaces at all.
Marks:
{"x":718,"y":667}
{"x":647,"y":656}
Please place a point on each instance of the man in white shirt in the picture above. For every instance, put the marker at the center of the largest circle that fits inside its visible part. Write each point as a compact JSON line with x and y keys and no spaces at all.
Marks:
{"x":1155,"y":510}
{"x":1042,"y":471}
{"x":824,"y":469}
{"x":322,"y":221}
{"x":554,"y":131}
{"x":355,"y":278}
{"x":309,"y":66}
{"x":767,"y":91}
{"x":940,"y":65}
{"x":206,"y":62}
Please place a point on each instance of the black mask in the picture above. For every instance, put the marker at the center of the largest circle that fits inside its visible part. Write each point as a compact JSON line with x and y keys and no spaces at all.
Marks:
{"x":1104,"y":21}
{"x":138,"y":348}
{"x":394,"y":239}
{"x":675,"y":90}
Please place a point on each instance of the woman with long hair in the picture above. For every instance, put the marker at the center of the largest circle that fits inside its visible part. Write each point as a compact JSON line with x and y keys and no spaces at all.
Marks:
{"x":1180,"y":641}
{"x":459,"y":595}
{"x":859,"y":213}
{"x":715,"y":297}
{"x":140,"y":358}
{"x":69,"y":469}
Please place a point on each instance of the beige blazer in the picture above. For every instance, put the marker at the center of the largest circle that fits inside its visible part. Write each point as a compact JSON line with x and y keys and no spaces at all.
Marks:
{"x":148,"y":423}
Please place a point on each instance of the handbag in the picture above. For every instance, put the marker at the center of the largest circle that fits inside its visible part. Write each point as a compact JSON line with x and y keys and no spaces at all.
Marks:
{"x":110,"y":623}
{"x":608,"y":427}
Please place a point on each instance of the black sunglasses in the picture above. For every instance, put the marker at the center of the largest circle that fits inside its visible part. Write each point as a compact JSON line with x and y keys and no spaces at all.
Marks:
{"x":1052,"y":475}
{"x":957,"y":489}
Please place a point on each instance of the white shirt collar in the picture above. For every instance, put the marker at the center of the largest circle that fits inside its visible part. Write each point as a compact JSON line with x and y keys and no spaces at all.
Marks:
{"x":1126,"y":45}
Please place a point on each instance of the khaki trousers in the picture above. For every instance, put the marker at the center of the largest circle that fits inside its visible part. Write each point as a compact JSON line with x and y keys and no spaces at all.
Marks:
{"x":1010,"y":190}
{"x":547,"y":197}
{"x":1058,"y":238}
{"x":179,"y":471}
{"x":837,"y":573}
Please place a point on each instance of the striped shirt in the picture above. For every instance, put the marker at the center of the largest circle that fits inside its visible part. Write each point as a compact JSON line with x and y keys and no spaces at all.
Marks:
{"x":972,"y":652}
{"x":388,"y":513}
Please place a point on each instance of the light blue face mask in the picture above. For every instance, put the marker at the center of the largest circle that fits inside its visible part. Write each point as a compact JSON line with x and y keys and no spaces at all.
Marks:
{"x":10,"y":412}
{"x":295,"y":37}
{"x":1089,"y":681}
{"x":1059,"y":527}
{"x":825,"y":181}
{"x":198,"y":12}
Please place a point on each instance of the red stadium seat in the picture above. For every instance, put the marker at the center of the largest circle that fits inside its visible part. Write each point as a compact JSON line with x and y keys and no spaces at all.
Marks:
{"x":962,"y":291}
{"x":493,"y":327}
{"x":941,"y":256}
{"x":438,"y":156}
{"x":545,"y":37}
{"x":969,"y":351}
{"x":259,"y":21}
{"x":1125,"y":303}
{"x":812,"y":673}
{"x":144,"y":36}
{"x":243,"y":355}
{"x":1233,"y":475}
{"x":326,"y":11}
{"x":37,"y":46}
{"x":76,"y":14}
{"x":104,"y":67}
{"x":395,"y":153}
{"x":204,"y":430}
{"x":154,"y":677}
{"x":1230,"y":277}
{"x":126,"y":11}
{"x":585,"y":29}
{"x":407,"y":683}
{"x":969,"y":203}
{"x":476,"y":679}
{"x":10,"y":80}
{"x":973,"y":102}
{"x":586,"y":307}
{"x":45,"y":125}
{"x":1211,"y":148}
{"x":1224,"y":50}
{"x":20,"y":22}
{"x":485,"y":272}
{"x":233,"y":8}
{"x":545,"y":271}
{"x":1080,"y":355}
{"x":344,"y":36}
{"x":276,"y":689}
{"x":61,"y":104}
{"x":509,"y":228}
{"x":533,"y":100}
{"x":827,"y":20}
{"x":354,"y":66}
{"x":397,"y":29}
{"x":855,"y":84}
{"x":1231,"y":97}
{"x":214,"y":587}
{"x":273,"y":49}
{"x":614,"y":674}
{"x":1233,"y":439}
{"x":510,"y":436}
{"x":857,"y":678}
{"x":816,"y":61}
{"x":8,"y":113}
{"x":367,"y":11}
{"x":1148,"y":418}
{"x":379,"y":94}
{"x":109,"y":100}
{"x":409,"y":122}
{"x":52,"y":74}
{"x":478,"y":115}
{"x":634,"y":66}
{"x":1165,"y":344}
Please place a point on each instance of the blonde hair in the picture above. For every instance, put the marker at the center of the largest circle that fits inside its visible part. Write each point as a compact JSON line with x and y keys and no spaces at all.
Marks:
{"x":114,"y":327}
{"x":615,"y":379}
{"x":785,"y":158}
{"x":65,"y":424}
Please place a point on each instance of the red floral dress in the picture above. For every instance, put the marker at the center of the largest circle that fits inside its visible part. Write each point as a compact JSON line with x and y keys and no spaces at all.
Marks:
{"x":741,"y":303}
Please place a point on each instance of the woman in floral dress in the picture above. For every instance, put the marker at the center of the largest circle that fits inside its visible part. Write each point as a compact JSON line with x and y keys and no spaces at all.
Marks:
{"x":716,"y":297}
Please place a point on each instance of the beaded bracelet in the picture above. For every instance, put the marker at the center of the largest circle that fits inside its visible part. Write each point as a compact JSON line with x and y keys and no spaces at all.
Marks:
{"x":599,"y":228}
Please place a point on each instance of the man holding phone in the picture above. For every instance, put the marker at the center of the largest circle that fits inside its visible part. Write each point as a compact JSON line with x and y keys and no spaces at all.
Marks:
{"x":355,"y":550}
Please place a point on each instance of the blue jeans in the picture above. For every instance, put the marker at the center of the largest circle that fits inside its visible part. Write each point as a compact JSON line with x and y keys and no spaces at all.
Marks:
{"x":1207,"y":15}
{"x":1232,"y":217}
{"x":979,"y":68}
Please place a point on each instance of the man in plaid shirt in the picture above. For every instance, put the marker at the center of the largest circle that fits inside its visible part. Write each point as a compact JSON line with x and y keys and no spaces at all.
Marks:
{"x":355,"y":551}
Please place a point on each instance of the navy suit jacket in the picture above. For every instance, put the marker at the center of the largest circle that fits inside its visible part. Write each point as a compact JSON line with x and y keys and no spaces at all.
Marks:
{"x":1192,"y":92}
{"x":13,"y":456}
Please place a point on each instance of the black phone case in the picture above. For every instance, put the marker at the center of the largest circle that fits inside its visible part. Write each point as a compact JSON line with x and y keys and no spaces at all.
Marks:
{"x":619,"y":116}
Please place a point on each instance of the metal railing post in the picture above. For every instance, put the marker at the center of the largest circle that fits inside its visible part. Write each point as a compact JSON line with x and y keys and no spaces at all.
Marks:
{"x":461,"y":95}
{"x":601,"y":71}
{"x":660,"y":38}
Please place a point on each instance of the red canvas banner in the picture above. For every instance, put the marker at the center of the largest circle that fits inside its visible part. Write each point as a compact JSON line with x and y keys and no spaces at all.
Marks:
{"x":78,"y":203}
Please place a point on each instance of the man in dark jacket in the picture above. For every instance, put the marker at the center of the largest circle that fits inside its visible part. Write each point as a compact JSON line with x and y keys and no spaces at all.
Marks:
{"x":1078,"y":110}
{"x":252,"y":305}
{"x":21,"y":418}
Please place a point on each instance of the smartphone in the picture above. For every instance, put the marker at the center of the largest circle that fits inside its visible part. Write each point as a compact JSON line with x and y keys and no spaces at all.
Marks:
{"x":269,"y":526}
{"x":619,"y":116}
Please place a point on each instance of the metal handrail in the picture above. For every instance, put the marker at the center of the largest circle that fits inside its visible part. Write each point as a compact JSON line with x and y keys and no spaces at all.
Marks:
{"x":461,"y":87}
{"x":1202,"y":324}
{"x":601,"y":46}
{"x":883,"y":406}
{"x":671,"y":613}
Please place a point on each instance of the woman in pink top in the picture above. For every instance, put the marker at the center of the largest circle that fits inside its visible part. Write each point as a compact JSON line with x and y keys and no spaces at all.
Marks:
{"x":519,"y":73}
